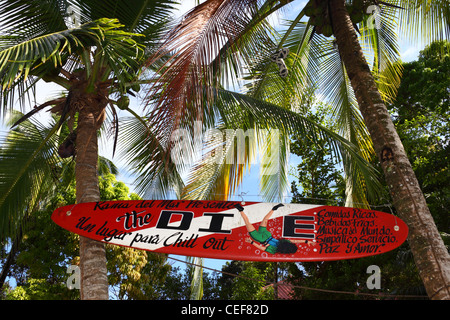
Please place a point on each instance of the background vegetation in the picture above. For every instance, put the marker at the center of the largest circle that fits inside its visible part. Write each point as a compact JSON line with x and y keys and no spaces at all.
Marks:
{"x":38,"y":268}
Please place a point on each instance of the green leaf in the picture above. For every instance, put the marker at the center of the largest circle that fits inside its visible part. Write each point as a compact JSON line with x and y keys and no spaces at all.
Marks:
{"x":156,"y":174}
{"x":425,"y":20}
{"x":215,"y":179}
{"x":26,"y":173}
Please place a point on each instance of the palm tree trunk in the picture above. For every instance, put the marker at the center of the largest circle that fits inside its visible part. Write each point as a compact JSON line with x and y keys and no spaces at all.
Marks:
{"x":94,"y":281}
{"x":431,"y":256}
{"x":8,"y":263}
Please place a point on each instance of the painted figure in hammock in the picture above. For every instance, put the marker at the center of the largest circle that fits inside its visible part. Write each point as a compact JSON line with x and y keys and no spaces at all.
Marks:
{"x":262,"y":239}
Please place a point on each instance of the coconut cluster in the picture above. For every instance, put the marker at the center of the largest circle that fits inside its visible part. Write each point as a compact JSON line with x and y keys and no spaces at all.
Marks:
{"x":319,"y":13}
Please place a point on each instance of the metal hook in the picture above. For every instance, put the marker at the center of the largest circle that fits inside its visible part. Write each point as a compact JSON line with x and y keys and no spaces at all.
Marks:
{"x":396,"y":227}
{"x":241,"y":195}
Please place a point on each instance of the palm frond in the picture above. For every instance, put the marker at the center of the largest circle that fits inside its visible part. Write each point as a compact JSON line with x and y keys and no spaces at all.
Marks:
{"x":157,"y":175}
{"x":18,"y":60}
{"x":194,"y":48}
{"x":26,"y":170}
{"x":380,"y":44}
{"x":45,"y":56}
{"x":423,"y":20}
{"x":274,"y":165}
{"x":27,"y":19}
{"x":348,"y":119}
{"x":264,"y":81}
{"x":317,"y":66}
{"x":213,"y":177}
{"x":139,"y":16}
{"x":320,"y":57}
{"x":227,"y":153}
{"x":272,"y":116}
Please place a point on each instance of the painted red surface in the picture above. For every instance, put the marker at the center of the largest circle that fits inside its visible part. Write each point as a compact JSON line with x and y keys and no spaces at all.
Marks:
{"x":215,"y":229}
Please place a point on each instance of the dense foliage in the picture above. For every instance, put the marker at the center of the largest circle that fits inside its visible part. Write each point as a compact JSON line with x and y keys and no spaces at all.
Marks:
{"x":421,"y":114}
{"x":46,"y":251}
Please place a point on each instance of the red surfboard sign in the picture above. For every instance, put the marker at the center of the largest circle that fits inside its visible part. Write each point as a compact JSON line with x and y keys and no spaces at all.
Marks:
{"x":229,"y":230}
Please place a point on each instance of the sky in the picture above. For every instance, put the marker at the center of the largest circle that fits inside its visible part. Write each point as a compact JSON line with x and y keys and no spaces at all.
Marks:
{"x":250,"y":184}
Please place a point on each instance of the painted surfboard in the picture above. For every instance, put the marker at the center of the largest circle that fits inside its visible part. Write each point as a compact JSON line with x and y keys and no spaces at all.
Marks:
{"x":219,"y":230}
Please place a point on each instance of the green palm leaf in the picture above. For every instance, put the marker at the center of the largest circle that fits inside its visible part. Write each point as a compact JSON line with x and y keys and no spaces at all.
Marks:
{"x":139,"y":16}
{"x":380,"y":44}
{"x":424,"y":20}
{"x":225,"y":157}
{"x":211,"y":177}
{"x":157,"y":175}
{"x":27,"y":19}
{"x":27,"y":160}
{"x":197,"y":53}
{"x":41,"y":55}
{"x":290,"y":122}
{"x":314,"y":62}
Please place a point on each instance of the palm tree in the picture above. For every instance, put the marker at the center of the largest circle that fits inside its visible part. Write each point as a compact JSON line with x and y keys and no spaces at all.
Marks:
{"x":32,"y":171}
{"x":431,"y":256}
{"x":92,"y":49}
{"x":218,"y":36}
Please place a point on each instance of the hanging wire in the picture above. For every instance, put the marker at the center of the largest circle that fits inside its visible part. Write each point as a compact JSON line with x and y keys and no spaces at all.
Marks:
{"x":267,"y":283}
{"x":337,"y":201}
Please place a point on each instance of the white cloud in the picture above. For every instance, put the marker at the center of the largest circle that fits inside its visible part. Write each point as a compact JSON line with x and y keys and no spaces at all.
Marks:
{"x":409,"y":52}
